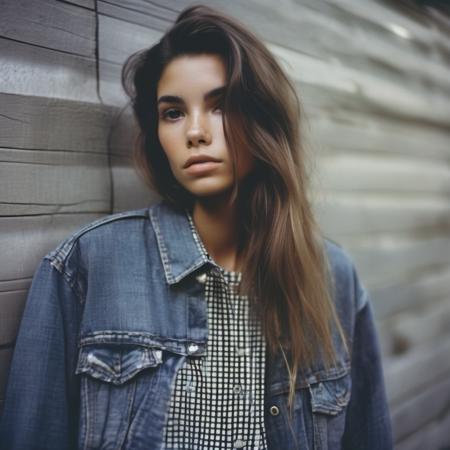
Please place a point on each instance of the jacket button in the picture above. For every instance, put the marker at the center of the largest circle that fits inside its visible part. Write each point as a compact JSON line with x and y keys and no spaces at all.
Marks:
{"x":237,"y":389}
{"x":239,"y":443}
{"x":274,"y":410}
{"x":201,"y":278}
{"x":192,"y":348}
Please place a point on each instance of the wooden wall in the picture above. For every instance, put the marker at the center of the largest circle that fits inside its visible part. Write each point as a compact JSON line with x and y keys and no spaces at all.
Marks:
{"x":373,"y":78}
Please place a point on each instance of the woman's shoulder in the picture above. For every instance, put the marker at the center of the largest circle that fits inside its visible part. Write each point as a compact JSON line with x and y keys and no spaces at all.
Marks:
{"x":345,"y":275}
{"x":338,"y":257}
{"x":112,"y":228}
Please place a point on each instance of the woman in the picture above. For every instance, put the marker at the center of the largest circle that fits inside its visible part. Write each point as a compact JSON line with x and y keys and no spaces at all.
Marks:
{"x":218,"y":317}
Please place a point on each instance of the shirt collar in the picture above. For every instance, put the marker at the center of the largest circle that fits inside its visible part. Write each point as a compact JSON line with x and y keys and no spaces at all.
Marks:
{"x":180,"y":247}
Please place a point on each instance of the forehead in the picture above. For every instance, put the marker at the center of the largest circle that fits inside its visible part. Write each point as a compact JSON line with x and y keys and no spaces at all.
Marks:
{"x":192,"y":73}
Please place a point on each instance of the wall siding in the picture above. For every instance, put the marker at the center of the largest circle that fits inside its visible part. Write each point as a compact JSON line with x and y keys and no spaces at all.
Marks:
{"x":373,"y":80}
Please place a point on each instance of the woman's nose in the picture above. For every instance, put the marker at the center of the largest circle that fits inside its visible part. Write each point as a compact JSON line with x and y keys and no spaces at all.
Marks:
{"x":198,"y":132}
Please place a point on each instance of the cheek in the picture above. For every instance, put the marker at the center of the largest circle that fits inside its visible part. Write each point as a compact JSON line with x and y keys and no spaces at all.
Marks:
{"x":164,"y":138}
{"x":168,"y":144}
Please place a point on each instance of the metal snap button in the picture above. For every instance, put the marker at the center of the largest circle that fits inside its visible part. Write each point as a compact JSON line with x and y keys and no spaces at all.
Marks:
{"x":192,"y":348}
{"x":237,"y":389}
{"x":201,"y":278}
{"x":274,"y":410}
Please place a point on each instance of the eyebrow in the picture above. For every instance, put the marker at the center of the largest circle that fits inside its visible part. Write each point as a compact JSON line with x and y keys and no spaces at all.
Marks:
{"x":175,"y":99}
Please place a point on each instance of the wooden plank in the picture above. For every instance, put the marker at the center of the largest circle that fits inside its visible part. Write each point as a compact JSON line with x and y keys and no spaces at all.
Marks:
{"x":149,"y":15}
{"x":416,"y":371}
{"x":5,"y":361}
{"x":60,"y":183}
{"x":427,"y":404}
{"x":377,"y":134}
{"x":418,"y":34}
{"x":11,"y":305}
{"x":372,"y":91}
{"x":89,"y":4}
{"x":414,"y":17}
{"x":341,"y":31}
{"x":398,"y":175}
{"x":53,"y":25}
{"x":47,"y":73}
{"x":416,"y":326}
{"x":25,"y":240}
{"x":385,"y":260}
{"x":411,"y":293}
{"x":32,"y":122}
{"x":130,"y":192}
{"x":344,"y":214}
{"x":124,"y":131}
{"x":15,"y":285}
{"x":433,"y":436}
{"x":119,"y":39}
{"x":111,"y":91}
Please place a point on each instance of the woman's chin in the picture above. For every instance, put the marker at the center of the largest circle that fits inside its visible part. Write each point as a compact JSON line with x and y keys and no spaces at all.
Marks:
{"x":210,"y":190}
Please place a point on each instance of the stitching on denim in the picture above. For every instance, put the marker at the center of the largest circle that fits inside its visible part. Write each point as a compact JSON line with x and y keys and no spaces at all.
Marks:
{"x":141,"y":339}
{"x":188,"y":270}
{"x":62,"y":252}
{"x":332,"y":374}
{"x":60,"y":255}
{"x":197,"y":239}
{"x":162,"y":248}
{"x":204,"y":257}
{"x":105,"y":334}
{"x":87,"y":407}
{"x":128,"y":419}
{"x":67,"y":278}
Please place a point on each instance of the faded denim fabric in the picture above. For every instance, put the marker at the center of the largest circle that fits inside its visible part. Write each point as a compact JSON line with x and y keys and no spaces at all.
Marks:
{"x":114,"y":311}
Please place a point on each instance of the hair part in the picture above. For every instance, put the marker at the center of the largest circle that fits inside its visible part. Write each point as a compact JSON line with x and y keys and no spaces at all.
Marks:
{"x":291,"y":286}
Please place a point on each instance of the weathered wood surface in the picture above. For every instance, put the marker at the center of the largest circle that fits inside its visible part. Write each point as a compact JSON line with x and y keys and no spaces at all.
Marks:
{"x":62,"y":27}
{"x":374,"y":83}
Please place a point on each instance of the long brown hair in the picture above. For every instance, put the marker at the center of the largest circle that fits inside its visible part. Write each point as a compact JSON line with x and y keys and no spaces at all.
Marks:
{"x":291,"y":284}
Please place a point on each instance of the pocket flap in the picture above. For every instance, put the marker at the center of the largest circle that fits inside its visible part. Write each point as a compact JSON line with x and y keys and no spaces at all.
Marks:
{"x":116,"y":363}
{"x":331,"y":396}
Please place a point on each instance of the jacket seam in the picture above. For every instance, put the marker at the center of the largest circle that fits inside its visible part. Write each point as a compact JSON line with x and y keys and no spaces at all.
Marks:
{"x":66,"y":277}
{"x":163,"y":250}
{"x":62,"y":252}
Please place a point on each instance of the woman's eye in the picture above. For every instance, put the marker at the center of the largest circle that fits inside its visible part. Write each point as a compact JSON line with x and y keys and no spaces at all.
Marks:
{"x":171,"y":114}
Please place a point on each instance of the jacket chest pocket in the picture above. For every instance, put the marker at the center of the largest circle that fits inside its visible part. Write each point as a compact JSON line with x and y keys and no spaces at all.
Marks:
{"x":318,"y":414}
{"x":329,"y":400}
{"x":111,"y":376}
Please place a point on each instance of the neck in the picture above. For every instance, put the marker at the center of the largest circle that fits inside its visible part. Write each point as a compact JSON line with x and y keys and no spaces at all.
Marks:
{"x":217,"y":223}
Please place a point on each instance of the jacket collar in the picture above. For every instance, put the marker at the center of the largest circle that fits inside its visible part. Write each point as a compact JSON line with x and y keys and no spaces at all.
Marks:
{"x":179,"y":244}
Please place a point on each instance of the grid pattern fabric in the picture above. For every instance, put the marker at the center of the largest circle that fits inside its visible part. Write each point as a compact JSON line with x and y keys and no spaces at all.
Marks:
{"x":218,"y":398}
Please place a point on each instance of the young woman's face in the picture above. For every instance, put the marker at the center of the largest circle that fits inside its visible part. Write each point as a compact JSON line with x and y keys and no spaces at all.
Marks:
{"x":190,"y":125}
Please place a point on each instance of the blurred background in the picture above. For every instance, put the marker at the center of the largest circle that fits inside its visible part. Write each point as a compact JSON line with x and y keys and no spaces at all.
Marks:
{"x":373,"y":77}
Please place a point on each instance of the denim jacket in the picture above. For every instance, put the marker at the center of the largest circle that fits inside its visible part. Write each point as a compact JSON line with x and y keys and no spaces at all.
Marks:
{"x":114,"y":311}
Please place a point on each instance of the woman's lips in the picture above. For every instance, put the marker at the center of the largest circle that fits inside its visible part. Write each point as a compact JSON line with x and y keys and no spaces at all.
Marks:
{"x":202,"y":167}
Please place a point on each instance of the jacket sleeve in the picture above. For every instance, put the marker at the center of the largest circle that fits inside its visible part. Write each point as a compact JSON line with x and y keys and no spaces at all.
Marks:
{"x":40,"y":410}
{"x":368,"y":423}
